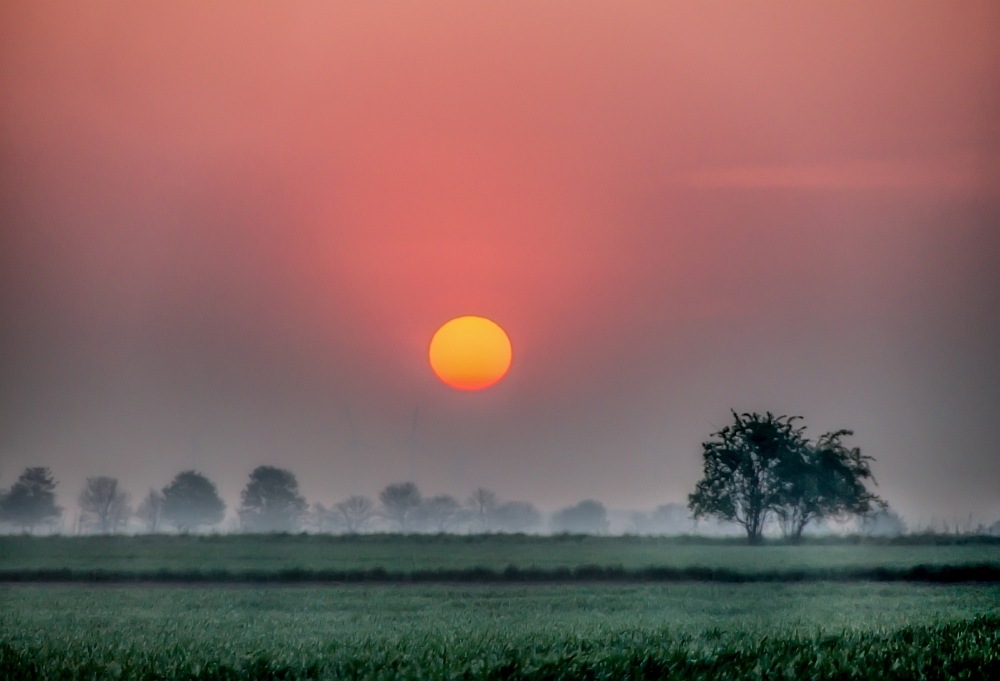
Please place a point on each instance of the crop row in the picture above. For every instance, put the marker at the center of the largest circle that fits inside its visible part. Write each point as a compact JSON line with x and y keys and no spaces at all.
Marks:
{"x":960,"y":650}
{"x":948,"y":574}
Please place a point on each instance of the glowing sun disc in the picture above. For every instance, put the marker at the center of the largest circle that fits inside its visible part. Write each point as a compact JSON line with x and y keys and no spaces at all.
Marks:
{"x":470,"y":353}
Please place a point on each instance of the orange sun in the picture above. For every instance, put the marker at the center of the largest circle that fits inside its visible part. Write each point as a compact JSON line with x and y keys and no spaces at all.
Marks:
{"x":470,"y":353}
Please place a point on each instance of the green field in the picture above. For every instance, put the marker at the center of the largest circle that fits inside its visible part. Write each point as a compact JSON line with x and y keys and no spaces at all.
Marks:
{"x":438,"y":632}
{"x":698,"y":630}
{"x":496,"y":552}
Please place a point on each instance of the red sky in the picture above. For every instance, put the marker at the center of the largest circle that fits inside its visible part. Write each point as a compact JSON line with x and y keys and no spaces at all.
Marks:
{"x":225,"y":227}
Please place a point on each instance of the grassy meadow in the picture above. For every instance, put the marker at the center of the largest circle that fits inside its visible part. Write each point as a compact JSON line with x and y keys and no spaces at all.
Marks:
{"x":860,"y":629}
{"x":404,"y":554}
{"x":773,"y":631}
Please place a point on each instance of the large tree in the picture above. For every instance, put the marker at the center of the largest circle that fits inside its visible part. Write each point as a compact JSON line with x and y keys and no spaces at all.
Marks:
{"x":104,"y":504}
{"x":191,"y":501}
{"x":31,"y":501}
{"x":271,"y":501}
{"x":399,"y":501}
{"x":742,"y":477}
{"x":824,"y":480}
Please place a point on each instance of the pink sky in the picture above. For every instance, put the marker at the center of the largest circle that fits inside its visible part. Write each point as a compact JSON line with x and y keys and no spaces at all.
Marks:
{"x":227,"y":226}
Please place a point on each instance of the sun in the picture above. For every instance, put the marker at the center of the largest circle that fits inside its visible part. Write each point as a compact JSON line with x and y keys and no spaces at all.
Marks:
{"x":470,"y":353}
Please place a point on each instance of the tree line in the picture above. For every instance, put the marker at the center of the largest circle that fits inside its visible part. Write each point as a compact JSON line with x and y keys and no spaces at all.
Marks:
{"x":760,"y":472}
{"x":271,"y":502}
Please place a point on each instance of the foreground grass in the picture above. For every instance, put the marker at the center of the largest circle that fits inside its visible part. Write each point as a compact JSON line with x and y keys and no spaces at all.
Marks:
{"x":409,"y":554}
{"x":816,"y":631}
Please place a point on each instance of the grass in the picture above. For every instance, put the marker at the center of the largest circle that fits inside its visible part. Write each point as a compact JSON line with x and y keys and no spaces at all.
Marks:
{"x":775,"y":631}
{"x":643,"y":630}
{"x":483,"y":558}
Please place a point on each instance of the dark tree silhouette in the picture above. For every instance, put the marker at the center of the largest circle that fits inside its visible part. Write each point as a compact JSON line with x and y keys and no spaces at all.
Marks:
{"x":31,"y":501}
{"x":825,"y":480}
{"x":742,"y":480}
{"x":399,"y":501}
{"x":191,"y":501}
{"x":271,"y":501}
{"x":104,"y":504}
{"x":587,"y":517}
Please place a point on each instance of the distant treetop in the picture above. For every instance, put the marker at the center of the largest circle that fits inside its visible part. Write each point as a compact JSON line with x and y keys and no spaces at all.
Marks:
{"x":191,"y":501}
{"x":31,"y":501}
{"x":271,"y":501}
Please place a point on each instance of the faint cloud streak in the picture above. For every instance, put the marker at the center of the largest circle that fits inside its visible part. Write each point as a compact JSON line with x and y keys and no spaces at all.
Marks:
{"x":966,"y":173}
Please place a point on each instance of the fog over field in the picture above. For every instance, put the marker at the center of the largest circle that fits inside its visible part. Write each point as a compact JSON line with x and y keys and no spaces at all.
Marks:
{"x":227,"y":237}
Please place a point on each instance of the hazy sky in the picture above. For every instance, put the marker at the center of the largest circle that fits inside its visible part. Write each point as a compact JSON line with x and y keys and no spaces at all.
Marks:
{"x":228,"y":232}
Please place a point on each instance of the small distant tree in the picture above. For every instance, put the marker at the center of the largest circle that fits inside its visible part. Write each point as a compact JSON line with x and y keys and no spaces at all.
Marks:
{"x":399,"y":501}
{"x":483,"y":504}
{"x":742,"y":481}
{"x":825,"y":480}
{"x":271,"y":501}
{"x":516,"y":516}
{"x":150,"y":510}
{"x":355,"y":512}
{"x":438,"y":514}
{"x":191,"y":501}
{"x":667,"y":519}
{"x":104,"y":505}
{"x":587,"y":517}
{"x":31,"y":501}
